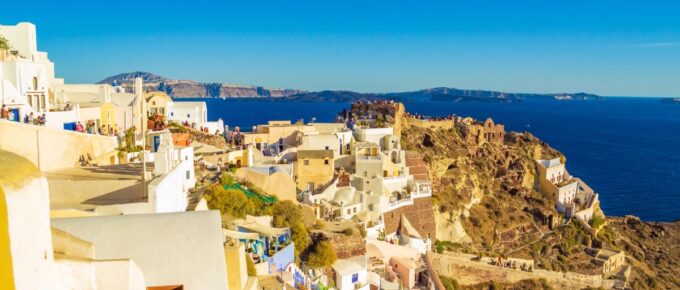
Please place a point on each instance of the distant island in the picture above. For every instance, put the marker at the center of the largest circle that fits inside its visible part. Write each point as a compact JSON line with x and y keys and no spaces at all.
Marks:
{"x":671,"y":100}
{"x":194,"y":89}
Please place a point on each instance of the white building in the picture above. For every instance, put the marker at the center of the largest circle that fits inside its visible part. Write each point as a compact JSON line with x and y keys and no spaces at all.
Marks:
{"x":351,"y":274}
{"x":194,"y":113}
{"x":25,"y":73}
{"x":574,"y":198}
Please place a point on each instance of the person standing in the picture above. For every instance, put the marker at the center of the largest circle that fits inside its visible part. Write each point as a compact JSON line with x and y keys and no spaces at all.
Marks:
{"x":4,"y":113}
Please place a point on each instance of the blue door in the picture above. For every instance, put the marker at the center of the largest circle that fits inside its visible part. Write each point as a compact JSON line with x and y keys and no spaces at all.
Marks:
{"x":16,"y":115}
{"x":156,"y":143}
{"x":70,"y":126}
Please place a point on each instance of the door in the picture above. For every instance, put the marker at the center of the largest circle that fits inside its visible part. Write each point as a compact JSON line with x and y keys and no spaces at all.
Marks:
{"x":16,"y":115}
{"x":156,"y":143}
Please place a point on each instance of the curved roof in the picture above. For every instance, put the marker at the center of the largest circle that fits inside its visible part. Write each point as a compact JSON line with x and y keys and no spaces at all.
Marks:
{"x":345,"y":196}
{"x":15,"y":170}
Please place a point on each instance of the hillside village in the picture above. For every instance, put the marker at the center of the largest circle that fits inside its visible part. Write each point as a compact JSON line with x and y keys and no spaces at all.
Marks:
{"x":105,"y":187}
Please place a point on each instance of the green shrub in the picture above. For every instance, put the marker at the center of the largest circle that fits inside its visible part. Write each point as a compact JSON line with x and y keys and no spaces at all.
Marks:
{"x":449,"y":283}
{"x":323,"y":255}
{"x":596,"y":222}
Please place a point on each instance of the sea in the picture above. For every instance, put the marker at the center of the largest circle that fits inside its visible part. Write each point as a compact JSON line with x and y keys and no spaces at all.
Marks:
{"x":627,"y":149}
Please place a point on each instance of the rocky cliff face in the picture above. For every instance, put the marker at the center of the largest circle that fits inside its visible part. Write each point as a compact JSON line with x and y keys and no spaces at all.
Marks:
{"x":485,"y":202}
{"x":193,"y":89}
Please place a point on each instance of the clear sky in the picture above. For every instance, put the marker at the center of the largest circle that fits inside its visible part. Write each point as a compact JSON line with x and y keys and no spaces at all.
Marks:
{"x":622,"y":48}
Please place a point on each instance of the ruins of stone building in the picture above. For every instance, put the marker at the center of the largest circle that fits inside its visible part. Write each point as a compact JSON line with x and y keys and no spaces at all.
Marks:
{"x":475,"y":134}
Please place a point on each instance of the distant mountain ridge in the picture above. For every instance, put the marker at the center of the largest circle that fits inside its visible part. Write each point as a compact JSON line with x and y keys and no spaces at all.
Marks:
{"x":193,"y":89}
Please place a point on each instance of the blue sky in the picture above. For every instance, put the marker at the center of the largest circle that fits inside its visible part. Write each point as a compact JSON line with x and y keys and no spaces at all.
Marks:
{"x":620,"y":48}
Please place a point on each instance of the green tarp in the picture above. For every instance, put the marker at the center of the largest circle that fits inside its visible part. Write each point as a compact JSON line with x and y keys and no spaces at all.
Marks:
{"x":248,"y":193}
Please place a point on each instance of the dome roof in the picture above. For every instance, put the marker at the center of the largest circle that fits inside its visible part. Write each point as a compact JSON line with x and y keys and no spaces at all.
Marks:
{"x":16,"y":171}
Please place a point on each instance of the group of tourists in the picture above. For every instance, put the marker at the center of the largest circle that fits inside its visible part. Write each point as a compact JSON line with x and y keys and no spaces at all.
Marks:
{"x":9,"y":115}
{"x":429,"y":118}
{"x":92,"y":128}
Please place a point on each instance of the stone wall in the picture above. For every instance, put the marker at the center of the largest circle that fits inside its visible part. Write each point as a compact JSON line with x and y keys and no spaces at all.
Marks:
{"x":348,"y":246}
{"x":468,"y":272}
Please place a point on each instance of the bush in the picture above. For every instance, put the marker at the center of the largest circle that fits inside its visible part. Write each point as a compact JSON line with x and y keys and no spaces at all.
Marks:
{"x":596,"y":222}
{"x":300,"y":237}
{"x":227,"y":179}
{"x":286,"y":214}
{"x":347,"y":231}
{"x":449,"y":283}
{"x":323,"y":255}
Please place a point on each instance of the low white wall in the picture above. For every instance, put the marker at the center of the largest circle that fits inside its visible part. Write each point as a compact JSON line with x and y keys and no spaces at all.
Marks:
{"x":169,"y":192}
{"x":57,"y":120}
{"x":53,"y":149}
{"x":119,"y":274}
{"x":75,"y":275}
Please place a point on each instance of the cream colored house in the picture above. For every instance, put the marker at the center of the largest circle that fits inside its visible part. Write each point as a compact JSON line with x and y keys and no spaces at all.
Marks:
{"x":314,"y":169}
{"x":276,"y":136}
{"x":574,"y":197}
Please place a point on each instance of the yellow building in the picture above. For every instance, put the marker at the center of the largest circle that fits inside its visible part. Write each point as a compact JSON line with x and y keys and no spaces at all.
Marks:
{"x":314,"y":169}
{"x":157,"y":102}
{"x":109,"y":112}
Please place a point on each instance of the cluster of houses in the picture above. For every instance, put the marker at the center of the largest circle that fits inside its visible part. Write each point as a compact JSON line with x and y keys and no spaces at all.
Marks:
{"x":352,"y":172}
{"x":29,"y":89}
{"x":86,"y":211}
{"x":83,"y":209}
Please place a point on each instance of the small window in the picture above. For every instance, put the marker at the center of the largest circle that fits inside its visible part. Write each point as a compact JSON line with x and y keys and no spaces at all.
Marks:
{"x":188,"y":115}
{"x":355,"y":278}
{"x":188,"y":174}
{"x":172,"y":114}
{"x":326,"y":162}
{"x":326,"y":147}
{"x":305,"y":162}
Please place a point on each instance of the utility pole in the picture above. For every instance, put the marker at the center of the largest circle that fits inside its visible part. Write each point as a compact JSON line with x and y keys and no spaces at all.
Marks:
{"x":142,"y":107}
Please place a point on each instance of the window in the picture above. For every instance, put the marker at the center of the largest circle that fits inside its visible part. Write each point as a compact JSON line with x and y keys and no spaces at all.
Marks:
{"x":305,"y":162}
{"x":188,"y":174}
{"x":326,"y":147}
{"x":188,"y":115}
{"x":172,"y":114}
{"x":35,"y":83}
{"x":355,"y":278}
{"x":325,"y":161}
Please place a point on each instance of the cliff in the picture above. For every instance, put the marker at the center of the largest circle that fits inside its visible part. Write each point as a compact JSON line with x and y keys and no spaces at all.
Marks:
{"x":486,"y":203}
{"x":193,"y":89}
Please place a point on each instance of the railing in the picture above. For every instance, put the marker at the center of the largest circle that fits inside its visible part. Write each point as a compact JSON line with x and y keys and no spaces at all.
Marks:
{"x":399,"y":203}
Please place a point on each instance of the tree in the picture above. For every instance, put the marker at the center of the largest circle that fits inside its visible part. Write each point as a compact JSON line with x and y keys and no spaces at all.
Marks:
{"x":4,"y":43}
{"x":230,"y":201}
{"x":300,"y":237}
{"x":227,"y":179}
{"x":323,"y":255}
{"x":286,"y":214}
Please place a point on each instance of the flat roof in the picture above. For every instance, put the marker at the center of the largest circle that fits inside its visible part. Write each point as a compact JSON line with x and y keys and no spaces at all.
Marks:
{"x":87,"y":187}
{"x":183,"y":248}
{"x":350,"y":266}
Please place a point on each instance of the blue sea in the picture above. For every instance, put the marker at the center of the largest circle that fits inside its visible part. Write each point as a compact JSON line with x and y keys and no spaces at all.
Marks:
{"x":626,"y":149}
